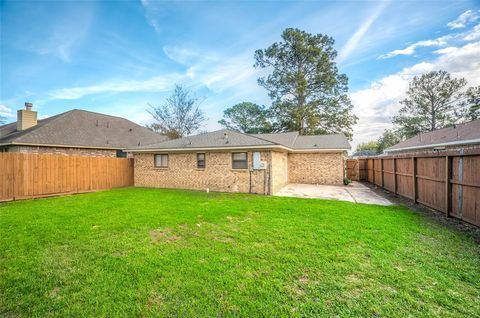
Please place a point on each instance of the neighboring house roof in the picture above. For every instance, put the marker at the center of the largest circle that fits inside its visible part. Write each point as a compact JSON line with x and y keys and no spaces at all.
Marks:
{"x":80,"y":128}
{"x":461,"y":134}
{"x":228,"y":139}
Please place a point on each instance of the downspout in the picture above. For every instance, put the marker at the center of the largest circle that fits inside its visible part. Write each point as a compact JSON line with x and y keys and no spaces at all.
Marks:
{"x":250,"y":177}
{"x":268,"y":171}
{"x":250,"y":185}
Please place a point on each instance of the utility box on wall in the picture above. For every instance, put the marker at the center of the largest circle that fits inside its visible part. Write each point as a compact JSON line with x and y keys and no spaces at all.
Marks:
{"x":258,"y":164}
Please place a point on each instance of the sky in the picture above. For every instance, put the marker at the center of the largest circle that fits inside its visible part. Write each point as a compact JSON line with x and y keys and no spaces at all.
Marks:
{"x":117,"y":57}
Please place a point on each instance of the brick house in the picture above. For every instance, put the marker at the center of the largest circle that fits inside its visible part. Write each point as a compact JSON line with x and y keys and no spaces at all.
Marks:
{"x":230,"y":161}
{"x":456,"y":138}
{"x":75,"y":132}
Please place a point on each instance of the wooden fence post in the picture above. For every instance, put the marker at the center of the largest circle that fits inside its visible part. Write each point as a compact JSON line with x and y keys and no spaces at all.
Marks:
{"x":381,"y":173}
{"x":373,"y":168}
{"x":448,"y":191}
{"x":414,"y":175}
{"x":395,"y":175}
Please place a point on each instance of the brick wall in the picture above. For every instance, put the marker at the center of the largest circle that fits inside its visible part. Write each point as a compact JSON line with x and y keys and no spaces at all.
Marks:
{"x":64,"y":151}
{"x":279,"y":170}
{"x":218,"y":175}
{"x":316,"y":168}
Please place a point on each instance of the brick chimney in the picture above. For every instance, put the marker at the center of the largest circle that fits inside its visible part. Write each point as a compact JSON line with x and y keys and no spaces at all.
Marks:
{"x":26,"y":118}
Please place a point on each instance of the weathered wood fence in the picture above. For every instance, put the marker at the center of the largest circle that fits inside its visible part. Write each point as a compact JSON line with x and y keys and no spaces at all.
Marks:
{"x":356,"y":169}
{"x":449,"y":182}
{"x":24,"y":176}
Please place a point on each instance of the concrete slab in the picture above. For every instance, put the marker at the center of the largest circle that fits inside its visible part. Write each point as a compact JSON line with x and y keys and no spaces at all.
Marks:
{"x":354,"y":192}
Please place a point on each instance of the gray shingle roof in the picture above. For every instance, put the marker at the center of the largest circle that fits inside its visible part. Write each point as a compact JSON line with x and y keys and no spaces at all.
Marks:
{"x":286,"y":139}
{"x":334,"y":141}
{"x":218,"y":139}
{"x":82,"y":129}
{"x":457,"y":133}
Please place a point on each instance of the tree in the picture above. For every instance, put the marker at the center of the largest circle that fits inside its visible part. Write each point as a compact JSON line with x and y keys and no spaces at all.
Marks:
{"x":389,"y":138}
{"x":433,"y":102}
{"x":246,"y":117}
{"x":179,"y":116}
{"x":472,"y":103}
{"x":368,"y":148}
{"x":308,"y":93}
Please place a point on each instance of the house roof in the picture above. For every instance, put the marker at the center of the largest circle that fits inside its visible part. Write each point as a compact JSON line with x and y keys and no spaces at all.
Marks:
{"x":466,"y":133}
{"x":228,"y":139}
{"x":80,"y":128}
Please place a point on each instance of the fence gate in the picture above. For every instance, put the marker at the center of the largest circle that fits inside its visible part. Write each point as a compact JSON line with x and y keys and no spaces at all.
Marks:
{"x":353,"y":169}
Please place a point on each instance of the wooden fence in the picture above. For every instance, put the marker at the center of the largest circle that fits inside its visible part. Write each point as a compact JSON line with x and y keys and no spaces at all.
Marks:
{"x":449,"y":183}
{"x":356,"y":169}
{"x":25,"y":176}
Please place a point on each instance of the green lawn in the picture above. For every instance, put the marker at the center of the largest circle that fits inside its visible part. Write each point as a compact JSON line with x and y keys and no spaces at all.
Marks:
{"x":148,"y":252}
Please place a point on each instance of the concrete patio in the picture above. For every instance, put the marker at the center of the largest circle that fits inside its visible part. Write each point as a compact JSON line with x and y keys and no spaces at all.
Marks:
{"x":355,"y":192}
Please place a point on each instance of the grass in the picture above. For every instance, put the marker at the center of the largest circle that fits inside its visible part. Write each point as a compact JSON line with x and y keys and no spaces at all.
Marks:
{"x":149,"y":252}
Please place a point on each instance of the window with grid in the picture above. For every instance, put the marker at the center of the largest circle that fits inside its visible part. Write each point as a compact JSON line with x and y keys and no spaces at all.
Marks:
{"x":200,"y":160}
{"x":161,"y":161}
{"x":239,"y":160}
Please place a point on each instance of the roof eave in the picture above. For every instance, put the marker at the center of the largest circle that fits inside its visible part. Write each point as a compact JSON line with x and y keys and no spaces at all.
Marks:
{"x":259,"y":147}
{"x":451,"y":143}
{"x":57,"y":145}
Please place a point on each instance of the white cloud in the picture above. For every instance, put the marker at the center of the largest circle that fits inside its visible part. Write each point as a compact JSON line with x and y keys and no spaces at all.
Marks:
{"x":63,"y":37}
{"x":155,"y":84}
{"x":376,"y":105}
{"x":446,"y":50}
{"x":355,"y":39}
{"x":231,"y":79}
{"x":217,"y":73}
{"x":409,"y":50}
{"x":6,"y":111}
{"x":472,"y":35}
{"x":150,"y":13}
{"x":464,"y":19}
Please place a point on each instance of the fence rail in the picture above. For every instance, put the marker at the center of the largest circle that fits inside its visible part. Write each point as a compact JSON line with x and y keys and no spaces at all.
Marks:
{"x":24,"y":176}
{"x":449,"y":183}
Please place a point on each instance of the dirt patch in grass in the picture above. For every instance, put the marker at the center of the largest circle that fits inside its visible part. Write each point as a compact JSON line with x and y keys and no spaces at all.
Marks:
{"x":163,"y":235}
{"x":155,"y":300}
{"x":54,"y":292}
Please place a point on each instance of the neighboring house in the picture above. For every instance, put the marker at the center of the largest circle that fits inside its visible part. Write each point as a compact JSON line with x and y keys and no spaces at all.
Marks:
{"x":456,"y":138}
{"x":76,"y":132}
{"x":230,"y":161}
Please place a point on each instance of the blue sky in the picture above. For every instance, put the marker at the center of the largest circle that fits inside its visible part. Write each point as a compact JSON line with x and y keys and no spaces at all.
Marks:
{"x":115,"y":57}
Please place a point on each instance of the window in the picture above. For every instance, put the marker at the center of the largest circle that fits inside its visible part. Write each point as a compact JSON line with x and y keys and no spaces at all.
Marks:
{"x":200,"y":160}
{"x":161,"y":161}
{"x":121,"y":154}
{"x":239,"y":160}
